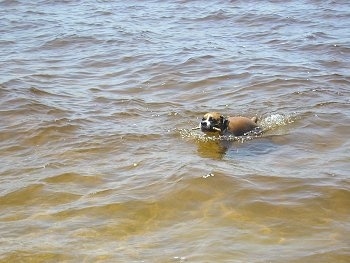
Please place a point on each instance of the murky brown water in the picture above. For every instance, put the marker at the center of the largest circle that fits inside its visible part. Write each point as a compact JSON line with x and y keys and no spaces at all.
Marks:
{"x":98,"y":159}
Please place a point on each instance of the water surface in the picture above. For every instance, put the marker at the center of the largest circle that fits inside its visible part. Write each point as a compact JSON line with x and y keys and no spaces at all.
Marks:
{"x":99,"y":162}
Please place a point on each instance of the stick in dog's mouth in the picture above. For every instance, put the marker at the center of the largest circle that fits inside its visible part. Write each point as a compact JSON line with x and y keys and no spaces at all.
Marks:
{"x":214,"y":128}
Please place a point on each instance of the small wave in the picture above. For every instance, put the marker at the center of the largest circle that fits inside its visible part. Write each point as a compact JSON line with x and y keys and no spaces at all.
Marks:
{"x":49,"y":131}
{"x":73,"y":178}
{"x":214,"y":16}
{"x":41,"y":92}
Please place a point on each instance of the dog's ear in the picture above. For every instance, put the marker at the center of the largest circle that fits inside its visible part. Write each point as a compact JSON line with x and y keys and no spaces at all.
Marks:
{"x":224,"y":122}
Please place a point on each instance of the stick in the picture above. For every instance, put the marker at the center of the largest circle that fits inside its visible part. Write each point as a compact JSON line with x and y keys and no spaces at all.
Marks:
{"x":214,"y":128}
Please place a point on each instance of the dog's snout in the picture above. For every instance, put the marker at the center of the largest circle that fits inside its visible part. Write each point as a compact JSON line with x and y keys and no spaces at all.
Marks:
{"x":204,"y":123}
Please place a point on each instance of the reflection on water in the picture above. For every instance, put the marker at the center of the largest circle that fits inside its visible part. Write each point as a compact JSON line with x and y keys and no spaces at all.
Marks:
{"x":99,"y":162}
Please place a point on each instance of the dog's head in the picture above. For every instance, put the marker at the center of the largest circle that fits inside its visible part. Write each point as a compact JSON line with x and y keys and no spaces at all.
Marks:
{"x":213,"y":122}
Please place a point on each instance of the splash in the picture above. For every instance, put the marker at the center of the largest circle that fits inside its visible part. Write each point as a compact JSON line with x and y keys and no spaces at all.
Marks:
{"x":276,"y":120}
{"x":202,"y":137}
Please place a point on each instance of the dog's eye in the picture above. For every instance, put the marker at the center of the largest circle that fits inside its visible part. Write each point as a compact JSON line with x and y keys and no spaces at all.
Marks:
{"x":210,"y":118}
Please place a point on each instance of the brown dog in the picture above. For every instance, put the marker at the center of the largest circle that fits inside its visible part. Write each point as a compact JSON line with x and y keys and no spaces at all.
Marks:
{"x":238,"y":126}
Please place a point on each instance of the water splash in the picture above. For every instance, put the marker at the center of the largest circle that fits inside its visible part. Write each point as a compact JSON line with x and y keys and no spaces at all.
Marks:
{"x":202,"y":137}
{"x":276,"y":120}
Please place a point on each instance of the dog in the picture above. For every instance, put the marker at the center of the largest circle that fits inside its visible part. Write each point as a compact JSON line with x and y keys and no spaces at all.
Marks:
{"x":237,"y":126}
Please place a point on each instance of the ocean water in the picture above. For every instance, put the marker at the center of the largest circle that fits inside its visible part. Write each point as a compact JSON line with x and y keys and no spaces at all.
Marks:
{"x":99,"y":161}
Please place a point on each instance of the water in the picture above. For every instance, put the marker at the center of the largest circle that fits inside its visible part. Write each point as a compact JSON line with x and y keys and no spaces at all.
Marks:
{"x":99,"y":162}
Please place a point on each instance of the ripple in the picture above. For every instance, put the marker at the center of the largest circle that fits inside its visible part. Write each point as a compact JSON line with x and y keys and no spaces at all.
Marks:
{"x":73,"y":178}
{"x":36,"y":194}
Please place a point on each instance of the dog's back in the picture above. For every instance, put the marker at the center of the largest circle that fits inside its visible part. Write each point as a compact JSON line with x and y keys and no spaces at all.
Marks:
{"x":238,"y":126}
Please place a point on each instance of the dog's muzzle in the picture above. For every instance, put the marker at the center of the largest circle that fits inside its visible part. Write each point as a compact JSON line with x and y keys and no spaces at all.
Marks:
{"x":207,"y":126}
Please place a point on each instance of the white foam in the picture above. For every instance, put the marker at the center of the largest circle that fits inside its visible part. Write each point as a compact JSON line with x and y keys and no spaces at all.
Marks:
{"x":275,"y":120}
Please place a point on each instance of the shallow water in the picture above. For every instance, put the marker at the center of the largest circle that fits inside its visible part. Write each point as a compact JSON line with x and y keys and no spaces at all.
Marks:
{"x":99,"y":159}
